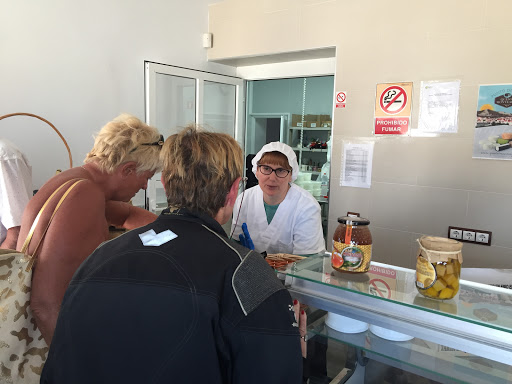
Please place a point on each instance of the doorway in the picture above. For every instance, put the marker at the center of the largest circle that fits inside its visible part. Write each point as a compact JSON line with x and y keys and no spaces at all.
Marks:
{"x":298,"y":112}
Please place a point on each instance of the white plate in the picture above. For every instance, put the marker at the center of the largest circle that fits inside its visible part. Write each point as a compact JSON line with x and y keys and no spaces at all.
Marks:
{"x":345,"y":324}
{"x":389,"y":334}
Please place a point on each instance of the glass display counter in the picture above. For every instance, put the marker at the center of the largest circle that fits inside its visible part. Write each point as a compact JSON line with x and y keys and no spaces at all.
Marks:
{"x":466,"y":339}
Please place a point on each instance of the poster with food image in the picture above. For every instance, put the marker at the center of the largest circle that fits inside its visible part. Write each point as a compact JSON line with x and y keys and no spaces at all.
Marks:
{"x":493,"y":129}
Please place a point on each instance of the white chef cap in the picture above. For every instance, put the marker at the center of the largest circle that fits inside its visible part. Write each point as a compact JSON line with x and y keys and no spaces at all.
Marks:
{"x":279,"y":147}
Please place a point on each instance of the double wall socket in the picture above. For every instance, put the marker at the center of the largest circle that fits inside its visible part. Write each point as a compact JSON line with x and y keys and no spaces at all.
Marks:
{"x":470,"y":235}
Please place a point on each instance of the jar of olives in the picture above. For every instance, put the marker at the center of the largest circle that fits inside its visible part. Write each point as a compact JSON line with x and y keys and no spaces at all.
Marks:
{"x":438,"y":267}
{"x":352,"y":245}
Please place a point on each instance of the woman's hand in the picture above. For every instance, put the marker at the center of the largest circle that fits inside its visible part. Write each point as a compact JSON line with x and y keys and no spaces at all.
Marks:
{"x":302,"y":319}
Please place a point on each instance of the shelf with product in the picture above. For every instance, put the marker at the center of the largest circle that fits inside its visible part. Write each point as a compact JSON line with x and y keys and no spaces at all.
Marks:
{"x":309,"y":136}
{"x":306,"y":149}
{"x":466,"y":339}
{"x":319,"y":129}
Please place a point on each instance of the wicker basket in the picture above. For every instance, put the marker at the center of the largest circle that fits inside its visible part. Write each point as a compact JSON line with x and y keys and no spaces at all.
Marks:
{"x":281,"y":260}
{"x":47,"y":122}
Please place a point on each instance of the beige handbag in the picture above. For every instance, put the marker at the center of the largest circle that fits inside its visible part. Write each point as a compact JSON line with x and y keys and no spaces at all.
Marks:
{"x":23,"y":350}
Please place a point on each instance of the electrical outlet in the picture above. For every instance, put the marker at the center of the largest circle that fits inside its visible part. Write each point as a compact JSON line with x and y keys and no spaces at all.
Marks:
{"x":482,"y":238}
{"x":468,"y":235}
{"x":455,"y":233}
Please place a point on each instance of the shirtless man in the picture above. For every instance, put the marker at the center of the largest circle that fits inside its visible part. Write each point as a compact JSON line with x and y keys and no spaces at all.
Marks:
{"x":125,"y":155}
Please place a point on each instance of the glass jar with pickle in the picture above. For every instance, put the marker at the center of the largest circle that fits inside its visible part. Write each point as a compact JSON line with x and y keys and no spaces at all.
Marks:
{"x":438,"y":267}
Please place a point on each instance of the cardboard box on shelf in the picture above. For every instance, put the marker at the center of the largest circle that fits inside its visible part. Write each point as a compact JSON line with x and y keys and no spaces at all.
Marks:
{"x":326,"y":124}
{"x":312,"y":121}
{"x":296,"y":120}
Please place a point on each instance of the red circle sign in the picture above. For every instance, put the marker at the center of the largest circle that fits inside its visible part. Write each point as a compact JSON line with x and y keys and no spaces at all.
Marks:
{"x":379,"y":287}
{"x":341,"y":97}
{"x":393,"y":100}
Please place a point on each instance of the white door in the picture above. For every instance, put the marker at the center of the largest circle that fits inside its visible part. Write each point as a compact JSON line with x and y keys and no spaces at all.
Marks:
{"x":176,"y":96}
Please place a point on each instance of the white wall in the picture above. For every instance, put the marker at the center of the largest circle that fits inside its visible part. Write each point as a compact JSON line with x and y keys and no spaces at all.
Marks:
{"x":79,"y":65}
{"x":419,"y":185}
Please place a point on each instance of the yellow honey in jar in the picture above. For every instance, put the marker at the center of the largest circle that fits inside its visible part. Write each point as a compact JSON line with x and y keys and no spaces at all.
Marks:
{"x":438,"y":267}
{"x":352,"y":245}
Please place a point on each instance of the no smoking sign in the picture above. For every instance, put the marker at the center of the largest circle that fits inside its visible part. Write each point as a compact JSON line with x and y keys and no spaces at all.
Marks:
{"x":341,"y":99}
{"x":393,"y":100}
{"x":393,"y":109}
{"x":379,"y":287}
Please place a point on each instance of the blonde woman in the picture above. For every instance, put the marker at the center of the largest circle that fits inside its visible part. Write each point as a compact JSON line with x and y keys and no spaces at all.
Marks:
{"x":125,"y":155}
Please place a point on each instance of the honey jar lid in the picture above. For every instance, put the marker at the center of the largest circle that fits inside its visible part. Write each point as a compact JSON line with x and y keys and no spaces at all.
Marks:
{"x":353,"y":220}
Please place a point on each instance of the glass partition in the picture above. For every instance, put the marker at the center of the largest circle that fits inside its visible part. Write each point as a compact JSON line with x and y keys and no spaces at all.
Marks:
{"x":176,"y":97}
{"x":219,"y":107}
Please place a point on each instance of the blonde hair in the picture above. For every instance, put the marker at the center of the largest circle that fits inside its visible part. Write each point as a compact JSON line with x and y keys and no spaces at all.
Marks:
{"x":199,"y":168}
{"x":124,"y":139}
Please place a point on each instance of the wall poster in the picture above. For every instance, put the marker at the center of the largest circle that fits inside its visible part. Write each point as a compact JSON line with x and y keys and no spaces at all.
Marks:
{"x":493,"y":129}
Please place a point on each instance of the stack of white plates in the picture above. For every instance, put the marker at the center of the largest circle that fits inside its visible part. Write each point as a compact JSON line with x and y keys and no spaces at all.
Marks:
{"x":388,"y":334}
{"x":345,"y":324}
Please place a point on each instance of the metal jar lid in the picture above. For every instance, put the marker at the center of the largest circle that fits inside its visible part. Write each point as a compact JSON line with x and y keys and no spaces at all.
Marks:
{"x":353,"y":220}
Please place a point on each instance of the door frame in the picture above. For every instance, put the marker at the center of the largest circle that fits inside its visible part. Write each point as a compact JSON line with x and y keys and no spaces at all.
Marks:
{"x":285,"y":118}
{"x":294,"y":69}
{"x":151,"y":69}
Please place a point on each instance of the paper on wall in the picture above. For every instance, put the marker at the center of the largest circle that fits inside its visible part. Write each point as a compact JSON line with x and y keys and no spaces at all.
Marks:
{"x":439,"y":106}
{"x":356,"y":167}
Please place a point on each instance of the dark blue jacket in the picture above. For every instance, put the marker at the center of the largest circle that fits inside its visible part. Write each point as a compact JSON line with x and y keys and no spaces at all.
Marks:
{"x":197,"y":309}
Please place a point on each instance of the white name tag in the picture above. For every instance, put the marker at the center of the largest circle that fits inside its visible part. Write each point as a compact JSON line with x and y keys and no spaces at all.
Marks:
{"x":152,"y":239}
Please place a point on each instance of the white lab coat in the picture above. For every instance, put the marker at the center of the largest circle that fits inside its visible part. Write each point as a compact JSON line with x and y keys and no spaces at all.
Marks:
{"x":296,"y":227}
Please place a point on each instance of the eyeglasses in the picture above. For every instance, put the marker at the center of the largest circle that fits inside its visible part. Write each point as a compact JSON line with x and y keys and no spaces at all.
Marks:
{"x":280,"y":172}
{"x":159,"y":142}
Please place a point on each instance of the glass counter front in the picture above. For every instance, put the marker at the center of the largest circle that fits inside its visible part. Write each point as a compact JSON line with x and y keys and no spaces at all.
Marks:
{"x":477,"y":321}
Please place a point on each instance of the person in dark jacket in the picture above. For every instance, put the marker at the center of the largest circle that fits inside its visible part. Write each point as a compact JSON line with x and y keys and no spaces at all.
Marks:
{"x":176,"y":301}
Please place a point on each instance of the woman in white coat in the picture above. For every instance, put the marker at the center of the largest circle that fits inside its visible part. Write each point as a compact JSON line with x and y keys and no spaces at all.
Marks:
{"x":281,"y":217}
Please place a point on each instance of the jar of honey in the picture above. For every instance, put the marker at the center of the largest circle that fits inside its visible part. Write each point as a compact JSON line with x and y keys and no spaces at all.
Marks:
{"x":352,"y":245}
{"x":438,"y":267}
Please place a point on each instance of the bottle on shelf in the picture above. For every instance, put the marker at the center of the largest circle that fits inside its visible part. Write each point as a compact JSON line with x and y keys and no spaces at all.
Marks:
{"x":324,"y":175}
{"x":324,"y":178}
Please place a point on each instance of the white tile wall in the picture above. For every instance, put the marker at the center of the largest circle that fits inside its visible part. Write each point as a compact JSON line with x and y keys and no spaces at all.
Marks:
{"x":420,"y":185}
